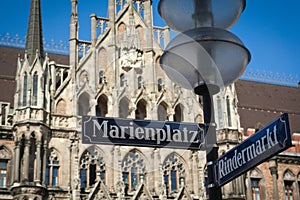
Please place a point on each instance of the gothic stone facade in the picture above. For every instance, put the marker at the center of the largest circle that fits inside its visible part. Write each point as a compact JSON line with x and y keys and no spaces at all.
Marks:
{"x":116,"y":75}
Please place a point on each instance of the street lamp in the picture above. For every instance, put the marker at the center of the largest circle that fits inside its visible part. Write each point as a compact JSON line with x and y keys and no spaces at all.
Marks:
{"x":204,"y":57}
{"x":182,"y":15}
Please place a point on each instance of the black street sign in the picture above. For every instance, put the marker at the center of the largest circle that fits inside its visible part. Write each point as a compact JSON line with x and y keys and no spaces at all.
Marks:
{"x":269,"y":141}
{"x":145,"y":133}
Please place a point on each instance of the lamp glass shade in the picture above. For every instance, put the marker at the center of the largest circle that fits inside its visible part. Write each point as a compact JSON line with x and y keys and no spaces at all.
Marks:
{"x":182,"y":15}
{"x":205,"y":56}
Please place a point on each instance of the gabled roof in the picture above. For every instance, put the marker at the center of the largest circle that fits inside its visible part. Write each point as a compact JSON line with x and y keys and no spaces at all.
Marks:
{"x":261,"y":103}
{"x":100,"y":191}
{"x":142,"y":191}
{"x":8,"y":68}
{"x":184,"y":194}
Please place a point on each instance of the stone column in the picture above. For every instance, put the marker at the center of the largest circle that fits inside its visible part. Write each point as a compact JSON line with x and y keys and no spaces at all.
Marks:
{"x":17,"y":162}
{"x":248,"y":186}
{"x":170,"y":115}
{"x":112,"y":10}
{"x":153,"y":110}
{"x":195,"y":173}
{"x":93,"y":29}
{"x":75,"y":169}
{"x":148,"y":21}
{"x":274,"y":172}
{"x":73,"y":58}
{"x":241,"y":186}
{"x":157,"y":180}
{"x":37,"y":170}
{"x":45,"y":146}
{"x":26,"y":161}
{"x":166,"y":36}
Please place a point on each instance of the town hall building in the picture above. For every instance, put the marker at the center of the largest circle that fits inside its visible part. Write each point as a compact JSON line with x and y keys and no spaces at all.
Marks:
{"x":117,"y":74}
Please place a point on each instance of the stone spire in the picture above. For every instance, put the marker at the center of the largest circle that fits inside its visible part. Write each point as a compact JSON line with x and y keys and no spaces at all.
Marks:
{"x":34,"y":38}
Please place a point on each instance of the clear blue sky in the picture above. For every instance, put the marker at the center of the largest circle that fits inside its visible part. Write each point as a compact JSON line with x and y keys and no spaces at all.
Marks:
{"x":269,"y":28}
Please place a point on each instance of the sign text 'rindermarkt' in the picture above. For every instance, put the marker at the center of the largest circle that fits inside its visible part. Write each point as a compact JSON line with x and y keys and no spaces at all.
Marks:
{"x":272,"y":139}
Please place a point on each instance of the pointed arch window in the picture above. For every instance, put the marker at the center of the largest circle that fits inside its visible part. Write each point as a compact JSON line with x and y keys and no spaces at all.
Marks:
{"x":4,"y":113}
{"x":159,"y":84}
{"x":61,"y":107}
{"x":24,"y":102}
{"x":101,"y":108}
{"x":52,"y":169}
{"x":289,"y":188}
{"x":121,"y":30}
{"x":162,"y":114}
{"x":83,"y":104}
{"x":102,"y":59}
{"x":133,"y":170}
{"x":92,"y":167}
{"x":101,"y":77}
{"x":228,"y":111}
{"x":141,"y":36}
{"x":35,"y":89}
{"x":122,"y":80}
{"x":257,"y":184}
{"x":124,"y":108}
{"x":174,"y":173}
{"x":32,"y":156}
{"x":255,"y":188}
{"x":141,"y":111}
{"x":220,"y":112}
{"x":140,"y":82}
{"x":178,"y":116}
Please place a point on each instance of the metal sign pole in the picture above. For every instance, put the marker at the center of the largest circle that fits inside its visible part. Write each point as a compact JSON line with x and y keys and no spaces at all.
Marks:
{"x":211,"y":146}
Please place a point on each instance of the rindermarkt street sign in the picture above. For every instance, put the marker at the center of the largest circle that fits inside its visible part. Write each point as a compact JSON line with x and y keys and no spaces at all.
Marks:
{"x":269,"y":141}
{"x":145,"y":133}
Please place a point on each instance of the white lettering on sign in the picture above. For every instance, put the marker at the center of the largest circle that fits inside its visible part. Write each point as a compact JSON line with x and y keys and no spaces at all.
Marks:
{"x":159,"y":135}
{"x":240,"y":158}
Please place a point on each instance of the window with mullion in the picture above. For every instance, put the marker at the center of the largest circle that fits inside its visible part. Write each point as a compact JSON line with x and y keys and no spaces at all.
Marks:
{"x":35,"y":89}
{"x":52,"y":170}
{"x":3,"y":173}
{"x":101,"y":77}
{"x":140,"y":82}
{"x":159,"y":84}
{"x":122,"y":80}
{"x":133,"y":170}
{"x":228,"y":111}
{"x":91,"y":164}
{"x":288,"y":189}
{"x":173,"y":173}
{"x":24,"y":100}
{"x":255,"y":186}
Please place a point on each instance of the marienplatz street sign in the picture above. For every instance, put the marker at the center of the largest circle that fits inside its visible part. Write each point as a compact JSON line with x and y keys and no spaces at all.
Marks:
{"x":145,"y":133}
{"x":269,"y":141}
